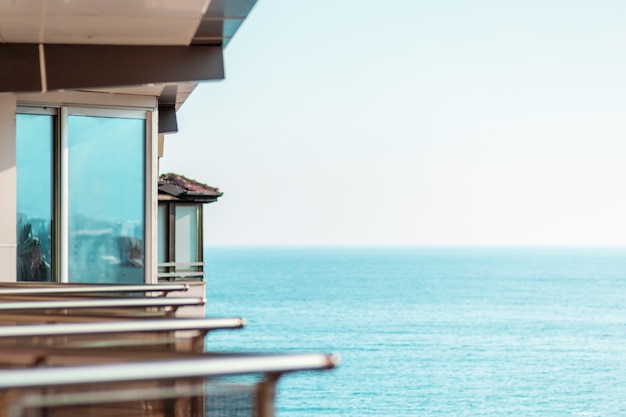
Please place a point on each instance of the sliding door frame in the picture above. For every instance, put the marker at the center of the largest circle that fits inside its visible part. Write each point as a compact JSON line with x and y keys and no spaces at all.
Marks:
{"x":60,"y":179}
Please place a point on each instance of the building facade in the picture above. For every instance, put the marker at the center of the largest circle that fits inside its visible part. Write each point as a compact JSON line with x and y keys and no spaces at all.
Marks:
{"x":88,"y":91}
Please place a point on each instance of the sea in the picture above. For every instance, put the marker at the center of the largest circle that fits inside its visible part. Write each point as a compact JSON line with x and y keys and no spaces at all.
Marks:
{"x":444,"y":331}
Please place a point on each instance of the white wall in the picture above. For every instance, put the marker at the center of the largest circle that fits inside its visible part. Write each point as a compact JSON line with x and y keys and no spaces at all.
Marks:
{"x":8,"y":225}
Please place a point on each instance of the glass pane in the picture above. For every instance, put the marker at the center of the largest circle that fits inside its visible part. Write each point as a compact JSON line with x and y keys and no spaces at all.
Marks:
{"x":162,"y":232}
{"x":35,"y":135}
{"x":106,"y":161}
{"x":186,"y":234}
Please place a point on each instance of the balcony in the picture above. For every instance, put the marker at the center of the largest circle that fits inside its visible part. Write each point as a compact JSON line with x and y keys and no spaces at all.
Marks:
{"x":102,"y":350}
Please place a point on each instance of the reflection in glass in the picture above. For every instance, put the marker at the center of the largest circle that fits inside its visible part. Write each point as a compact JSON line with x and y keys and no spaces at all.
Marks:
{"x":106,"y":199}
{"x":34,"y":137}
{"x":187,"y":245}
{"x":162,"y":232}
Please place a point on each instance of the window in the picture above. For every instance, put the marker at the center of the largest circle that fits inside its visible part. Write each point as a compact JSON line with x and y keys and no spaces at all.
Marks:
{"x":186,"y":230}
{"x":180,"y":240}
{"x":81,"y":195}
{"x":34,"y":154}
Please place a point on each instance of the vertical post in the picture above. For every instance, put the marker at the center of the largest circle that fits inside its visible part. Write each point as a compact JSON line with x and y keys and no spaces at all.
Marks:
{"x":266,"y":396}
{"x":171,"y":237}
{"x":56,"y":252}
{"x":201,"y":240}
{"x":151,"y":203}
{"x":8,"y":184}
{"x":63,"y":257}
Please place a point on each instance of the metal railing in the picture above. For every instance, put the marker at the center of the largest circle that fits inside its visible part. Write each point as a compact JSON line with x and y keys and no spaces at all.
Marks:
{"x":111,"y":328}
{"x":183,"y":387}
{"x":100,"y":344}
{"x":34,"y":289}
{"x":174,"y":271}
{"x":196,"y":367}
{"x":171,"y":303}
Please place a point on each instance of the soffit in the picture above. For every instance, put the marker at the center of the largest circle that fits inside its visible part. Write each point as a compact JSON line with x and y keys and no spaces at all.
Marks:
{"x":122,"y":22}
{"x":111,"y":22}
{"x":170,"y":95}
{"x":136,"y":23}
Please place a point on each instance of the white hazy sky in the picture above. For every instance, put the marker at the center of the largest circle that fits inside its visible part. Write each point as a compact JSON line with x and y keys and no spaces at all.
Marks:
{"x":414,"y":122}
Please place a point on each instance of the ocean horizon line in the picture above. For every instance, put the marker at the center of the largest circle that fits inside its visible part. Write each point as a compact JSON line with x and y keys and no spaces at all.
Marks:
{"x":374,"y":246}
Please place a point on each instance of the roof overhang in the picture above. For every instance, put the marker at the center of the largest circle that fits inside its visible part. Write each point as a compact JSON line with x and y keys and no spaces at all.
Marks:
{"x":174,"y":187}
{"x":160,"y":46}
{"x":30,"y":68}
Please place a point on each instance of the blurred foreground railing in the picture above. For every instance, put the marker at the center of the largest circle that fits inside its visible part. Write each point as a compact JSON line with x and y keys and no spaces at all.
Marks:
{"x":28,"y":288}
{"x":175,"y":387}
{"x":84,"y":353}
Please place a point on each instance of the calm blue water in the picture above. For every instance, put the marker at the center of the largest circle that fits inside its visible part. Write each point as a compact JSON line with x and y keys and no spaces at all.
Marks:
{"x":434,"y":332}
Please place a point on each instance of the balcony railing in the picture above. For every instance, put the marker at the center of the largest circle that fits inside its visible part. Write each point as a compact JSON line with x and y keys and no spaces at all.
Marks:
{"x":93,"y":355}
{"x":40,"y":288}
{"x":181,"y":271}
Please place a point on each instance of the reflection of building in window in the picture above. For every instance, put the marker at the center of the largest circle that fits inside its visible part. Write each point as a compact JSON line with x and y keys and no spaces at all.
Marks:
{"x":33,"y":263}
{"x":131,"y":251}
{"x":180,"y":246}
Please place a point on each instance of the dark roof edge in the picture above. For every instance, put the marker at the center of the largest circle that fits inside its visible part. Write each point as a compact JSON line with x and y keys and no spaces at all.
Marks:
{"x":186,"y":189}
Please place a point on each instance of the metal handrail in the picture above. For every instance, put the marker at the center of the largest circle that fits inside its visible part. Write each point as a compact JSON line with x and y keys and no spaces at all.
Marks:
{"x":183,"y":274}
{"x":131,"y":326}
{"x":102,"y":303}
{"x":170,"y":369}
{"x":181,"y":270}
{"x":93,"y":288}
{"x":182,"y":264}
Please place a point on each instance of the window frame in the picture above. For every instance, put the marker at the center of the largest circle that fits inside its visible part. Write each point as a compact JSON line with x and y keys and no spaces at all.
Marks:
{"x":60,"y":207}
{"x":169,"y":269}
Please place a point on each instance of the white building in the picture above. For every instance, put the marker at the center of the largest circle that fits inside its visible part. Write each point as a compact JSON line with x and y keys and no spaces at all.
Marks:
{"x":88,"y":89}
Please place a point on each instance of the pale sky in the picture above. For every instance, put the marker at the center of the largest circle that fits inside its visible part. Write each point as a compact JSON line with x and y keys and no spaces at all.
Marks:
{"x":411,"y":122}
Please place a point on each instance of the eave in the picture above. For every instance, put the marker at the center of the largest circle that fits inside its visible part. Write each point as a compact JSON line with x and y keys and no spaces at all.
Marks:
{"x":161,"y":48}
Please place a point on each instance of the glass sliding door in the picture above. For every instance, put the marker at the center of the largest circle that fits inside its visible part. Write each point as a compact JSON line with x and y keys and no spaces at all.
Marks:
{"x":105,"y":198}
{"x":35,"y":138}
{"x":81,"y":194}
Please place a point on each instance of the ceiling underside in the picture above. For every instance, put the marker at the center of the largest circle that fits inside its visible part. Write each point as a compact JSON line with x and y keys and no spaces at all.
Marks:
{"x":122,"y":22}
{"x":140,"y":46}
